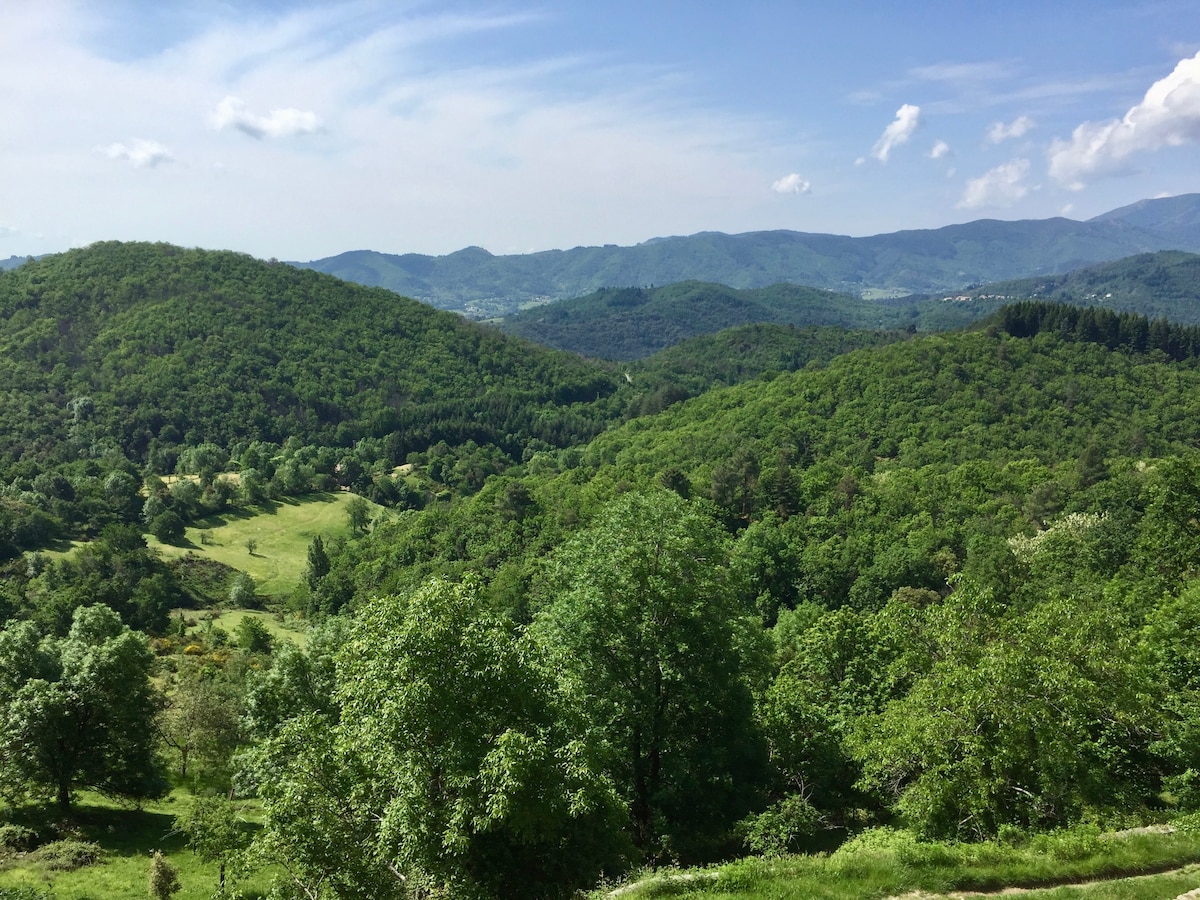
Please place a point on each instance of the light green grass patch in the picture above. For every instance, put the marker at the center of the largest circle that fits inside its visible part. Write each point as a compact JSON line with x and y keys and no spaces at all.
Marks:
{"x":128,"y":837}
{"x":281,"y":531}
{"x":290,"y":629}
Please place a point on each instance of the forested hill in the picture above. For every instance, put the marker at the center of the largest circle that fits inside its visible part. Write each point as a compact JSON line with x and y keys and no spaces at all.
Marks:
{"x":632,"y":323}
{"x":1157,"y":285}
{"x":138,"y":348}
{"x":989,"y":433}
{"x":483,"y":285}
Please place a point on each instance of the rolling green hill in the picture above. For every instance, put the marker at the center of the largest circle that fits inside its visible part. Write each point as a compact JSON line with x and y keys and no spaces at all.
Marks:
{"x":140,"y":346}
{"x":631,"y":323}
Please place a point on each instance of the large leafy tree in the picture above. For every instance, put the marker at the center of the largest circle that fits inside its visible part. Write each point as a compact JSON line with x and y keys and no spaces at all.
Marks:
{"x":646,"y":620}
{"x":78,"y":712}
{"x":452,"y":763}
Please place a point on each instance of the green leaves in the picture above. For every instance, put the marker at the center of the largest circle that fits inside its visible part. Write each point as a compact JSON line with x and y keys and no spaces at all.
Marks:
{"x":646,"y":623}
{"x":78,"y":711}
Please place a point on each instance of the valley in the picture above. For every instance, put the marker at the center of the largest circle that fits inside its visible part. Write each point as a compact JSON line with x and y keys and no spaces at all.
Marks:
{"x":744,"y":590}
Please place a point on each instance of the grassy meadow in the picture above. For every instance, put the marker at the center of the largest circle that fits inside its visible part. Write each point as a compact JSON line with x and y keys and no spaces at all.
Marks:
{"x":127,"y":838}
{"x":282,"y":532}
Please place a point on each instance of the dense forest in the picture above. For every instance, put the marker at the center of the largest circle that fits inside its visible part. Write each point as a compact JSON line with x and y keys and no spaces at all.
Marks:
{"x":756,"y":594}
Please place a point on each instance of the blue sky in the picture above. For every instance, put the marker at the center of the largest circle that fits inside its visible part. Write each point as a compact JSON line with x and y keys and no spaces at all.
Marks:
{"x":300,"y":130}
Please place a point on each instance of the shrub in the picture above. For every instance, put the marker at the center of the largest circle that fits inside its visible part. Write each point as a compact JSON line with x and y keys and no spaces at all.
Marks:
{"x":162,"y":880}
{"x":781,"y":828}
{"x":17,"y":838}
{"x":68,"y":855}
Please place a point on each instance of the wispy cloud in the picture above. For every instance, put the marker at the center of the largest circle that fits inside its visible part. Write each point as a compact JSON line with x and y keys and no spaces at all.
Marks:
{"x":278,"y":123}
{"x":998,"y":132}
{"x":1001,"y":186}
{"x":958,"y":73}
{"x":1167,"y":116}
{"x":791,"y":184}
{"x":939,"y":149}
{"x":908,"y":119}
{"x":141,"y":153}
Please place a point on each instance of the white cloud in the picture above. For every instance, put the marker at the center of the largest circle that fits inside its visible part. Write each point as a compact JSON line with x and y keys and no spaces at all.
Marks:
{"x":142,"y":153}
{"x":1168,"y":116}
{"x":939,"y":149}
{"x":1002,"y":186}
{"x":791,"y":184}
{"x":279,"y":123}
{"x":908,"y":118}
{"x":1018,"y":127}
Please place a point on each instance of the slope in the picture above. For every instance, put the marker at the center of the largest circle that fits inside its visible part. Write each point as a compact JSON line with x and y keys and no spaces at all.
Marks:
{"x":131,"y":347}
{"x":1157,"y":285}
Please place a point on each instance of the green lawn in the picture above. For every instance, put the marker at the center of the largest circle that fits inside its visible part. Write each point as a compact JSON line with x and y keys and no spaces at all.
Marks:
{"x":282,"y":532}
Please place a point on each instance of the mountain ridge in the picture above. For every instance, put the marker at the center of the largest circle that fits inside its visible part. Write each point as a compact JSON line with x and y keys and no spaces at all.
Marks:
{"x":480,"y":284}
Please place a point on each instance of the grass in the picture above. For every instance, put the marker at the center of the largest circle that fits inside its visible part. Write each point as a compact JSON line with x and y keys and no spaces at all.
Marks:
{"x":1076,"y":863}
{"x":291,"y":629}
{"x":282,"y":532}
{"x":127,"y":838}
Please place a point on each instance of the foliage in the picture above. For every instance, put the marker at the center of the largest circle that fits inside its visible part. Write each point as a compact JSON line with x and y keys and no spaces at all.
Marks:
{"x":451,"y":762}
{"x":162,"y":879}
{"x":78,"y":711}
{"x":645,"y":620}
{"x":1026,"y":722}
{"x":214,"y":833}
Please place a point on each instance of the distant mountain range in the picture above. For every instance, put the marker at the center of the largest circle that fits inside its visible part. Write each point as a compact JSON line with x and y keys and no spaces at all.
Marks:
{"x":482,"y":285}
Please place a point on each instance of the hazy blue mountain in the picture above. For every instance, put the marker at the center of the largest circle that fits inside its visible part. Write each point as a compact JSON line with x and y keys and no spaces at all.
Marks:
{"x":481,"y":285}
{"x":12,"y":262}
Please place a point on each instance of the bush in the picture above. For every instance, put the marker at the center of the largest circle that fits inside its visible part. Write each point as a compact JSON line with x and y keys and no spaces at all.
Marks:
{"x":781,"y":828}
{"x":68,"y":855}
{"x":17,"y":838}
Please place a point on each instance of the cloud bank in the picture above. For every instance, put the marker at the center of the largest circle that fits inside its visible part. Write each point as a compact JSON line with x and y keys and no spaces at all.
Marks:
{"x":1168,"y":116}
{"x":908,"y":119}
{"x":279,"y":123}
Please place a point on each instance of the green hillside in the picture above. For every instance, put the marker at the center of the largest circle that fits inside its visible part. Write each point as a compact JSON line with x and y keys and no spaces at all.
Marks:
{"x":631,"y":323}
{"x":1156,"y":285}
{"x":844,"y":613}
{"x":149,"y":345}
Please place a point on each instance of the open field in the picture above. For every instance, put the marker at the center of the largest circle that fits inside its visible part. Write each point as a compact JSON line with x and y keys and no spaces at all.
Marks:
{"x":282,"y":532}
{"x":127,"y":838}
{"x":290,"y":628}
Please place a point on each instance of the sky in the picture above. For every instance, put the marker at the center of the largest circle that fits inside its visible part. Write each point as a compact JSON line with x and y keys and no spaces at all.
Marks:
{"x":299,"y":130}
